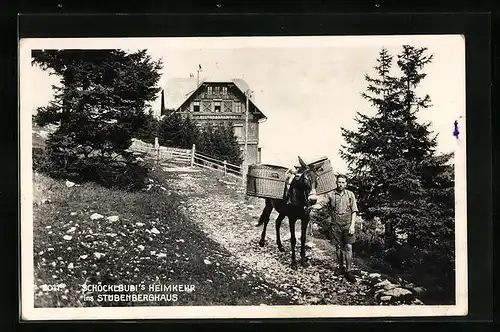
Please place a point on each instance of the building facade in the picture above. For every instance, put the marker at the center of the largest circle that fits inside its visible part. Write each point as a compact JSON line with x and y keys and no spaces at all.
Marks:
{"x":218,"y":102}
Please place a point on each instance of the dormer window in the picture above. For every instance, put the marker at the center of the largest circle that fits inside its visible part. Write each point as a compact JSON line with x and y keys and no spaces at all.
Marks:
{"x":209,"y":89}
{"x":224,"y":90}
{"x":217,"y":90}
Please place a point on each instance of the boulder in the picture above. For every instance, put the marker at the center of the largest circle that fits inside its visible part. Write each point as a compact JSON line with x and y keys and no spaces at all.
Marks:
{"x":398,"y":293}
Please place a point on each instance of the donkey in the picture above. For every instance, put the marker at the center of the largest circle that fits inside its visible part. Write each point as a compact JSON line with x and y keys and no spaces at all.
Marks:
{"x":302,"y":190}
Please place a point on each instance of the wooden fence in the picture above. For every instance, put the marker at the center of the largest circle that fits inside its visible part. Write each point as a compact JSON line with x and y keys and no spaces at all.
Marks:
{"x":201,"y":160}
{"x":189,"y":157}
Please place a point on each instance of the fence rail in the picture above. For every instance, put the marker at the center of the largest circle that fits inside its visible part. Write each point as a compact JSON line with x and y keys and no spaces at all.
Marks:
{"x":188,"y":156}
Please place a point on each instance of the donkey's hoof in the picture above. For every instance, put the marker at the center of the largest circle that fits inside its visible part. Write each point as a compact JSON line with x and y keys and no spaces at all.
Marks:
{"x":262,"y":243}
{"x":304,"y":263}
{"x":280,"y":248}
{"x":294,"y":266}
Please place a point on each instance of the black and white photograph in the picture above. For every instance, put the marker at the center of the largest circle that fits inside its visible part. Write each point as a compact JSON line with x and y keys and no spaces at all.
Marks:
{"x":243,"y":177}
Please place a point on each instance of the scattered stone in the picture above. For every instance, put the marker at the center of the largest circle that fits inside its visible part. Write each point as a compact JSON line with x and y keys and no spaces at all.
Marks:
{"x":140,"y":224}
{"x":140,"y":247}
{"x":69,"y":184}
{"x":341,"y":291}
{"x":113,"y":218}
{"x":398,"y":292}
{"x":73,"y":213}
{"x":99,"y":255}
{"x":386,"y":285}
{"x":310,"y":245}
{"x":84,"y":256}
{"x":374,"y":275}
{"x":67,"y":237}
{"x":70,"y":266}
{"x":180,"y":240}
{"x":385,"y":298}
{"x":419,"y":290}
{"x":161,"y":255}
{"x":96,"y":216}
{"x":155,"y":230}
{"x":207,"y":262}
{"x":71,"y":230}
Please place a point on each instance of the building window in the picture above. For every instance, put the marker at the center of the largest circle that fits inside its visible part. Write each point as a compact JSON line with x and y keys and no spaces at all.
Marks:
{"x":237,"y":107}
{"x":196,"y":106}
{"x":238,"y":131}
{"x":217,"y":106}
{"x":224,"y":90}
{"x":217,"y":90}
{"x":209,"y":90}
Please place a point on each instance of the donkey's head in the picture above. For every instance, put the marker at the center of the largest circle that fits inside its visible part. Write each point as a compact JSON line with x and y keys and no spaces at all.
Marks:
{"x":305,"y":185}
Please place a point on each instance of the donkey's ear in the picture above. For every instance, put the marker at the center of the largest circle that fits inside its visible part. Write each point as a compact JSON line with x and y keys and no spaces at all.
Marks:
{"x":302,"y":163}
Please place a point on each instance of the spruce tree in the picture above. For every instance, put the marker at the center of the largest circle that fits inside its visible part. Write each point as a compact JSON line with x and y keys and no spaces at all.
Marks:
{"x":169,"y":131}
{"x":190,"y":133}
{"x":393,"y":164}
{"x":97,"y":109}
{"x":149,"y":129}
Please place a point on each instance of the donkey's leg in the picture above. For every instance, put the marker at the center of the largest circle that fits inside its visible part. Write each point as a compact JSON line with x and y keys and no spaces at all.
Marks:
{"x":293,"y":241}
{"x":303,"y":233}
{"x":278,"y":237}
{"x":264,"y":219}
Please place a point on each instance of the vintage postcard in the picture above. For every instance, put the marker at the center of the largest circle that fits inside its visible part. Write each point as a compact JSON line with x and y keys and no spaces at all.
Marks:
{"x":243,"y":177}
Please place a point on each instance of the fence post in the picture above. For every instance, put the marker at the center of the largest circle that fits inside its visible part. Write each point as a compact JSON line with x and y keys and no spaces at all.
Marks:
{"x":225,"y":168}
{"x":157,"y":148}
{"x":192,"y":154}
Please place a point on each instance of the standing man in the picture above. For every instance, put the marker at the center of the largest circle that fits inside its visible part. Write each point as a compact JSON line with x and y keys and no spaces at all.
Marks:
{"x":343,"y":209}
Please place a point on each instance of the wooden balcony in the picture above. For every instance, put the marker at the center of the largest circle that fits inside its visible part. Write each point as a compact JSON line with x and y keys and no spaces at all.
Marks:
{"x":215,"y":115}
{"x":250,"y":141}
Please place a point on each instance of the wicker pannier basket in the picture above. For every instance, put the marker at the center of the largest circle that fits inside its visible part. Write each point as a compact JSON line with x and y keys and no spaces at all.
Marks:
{"x":266,"y":181}
{"x":326,"y":177}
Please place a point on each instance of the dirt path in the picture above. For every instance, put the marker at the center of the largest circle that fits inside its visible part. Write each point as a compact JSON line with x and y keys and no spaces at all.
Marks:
{"x":218,"y":206}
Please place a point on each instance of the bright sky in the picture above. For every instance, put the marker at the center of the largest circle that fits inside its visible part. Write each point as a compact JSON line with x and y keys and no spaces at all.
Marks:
{"x":308,"y":87}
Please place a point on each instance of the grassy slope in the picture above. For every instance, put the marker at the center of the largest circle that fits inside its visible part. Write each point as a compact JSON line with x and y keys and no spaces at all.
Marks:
{"x":133,"y":252}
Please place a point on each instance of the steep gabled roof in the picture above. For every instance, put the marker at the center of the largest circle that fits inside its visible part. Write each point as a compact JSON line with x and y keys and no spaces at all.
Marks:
{"x":178,"y":90}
